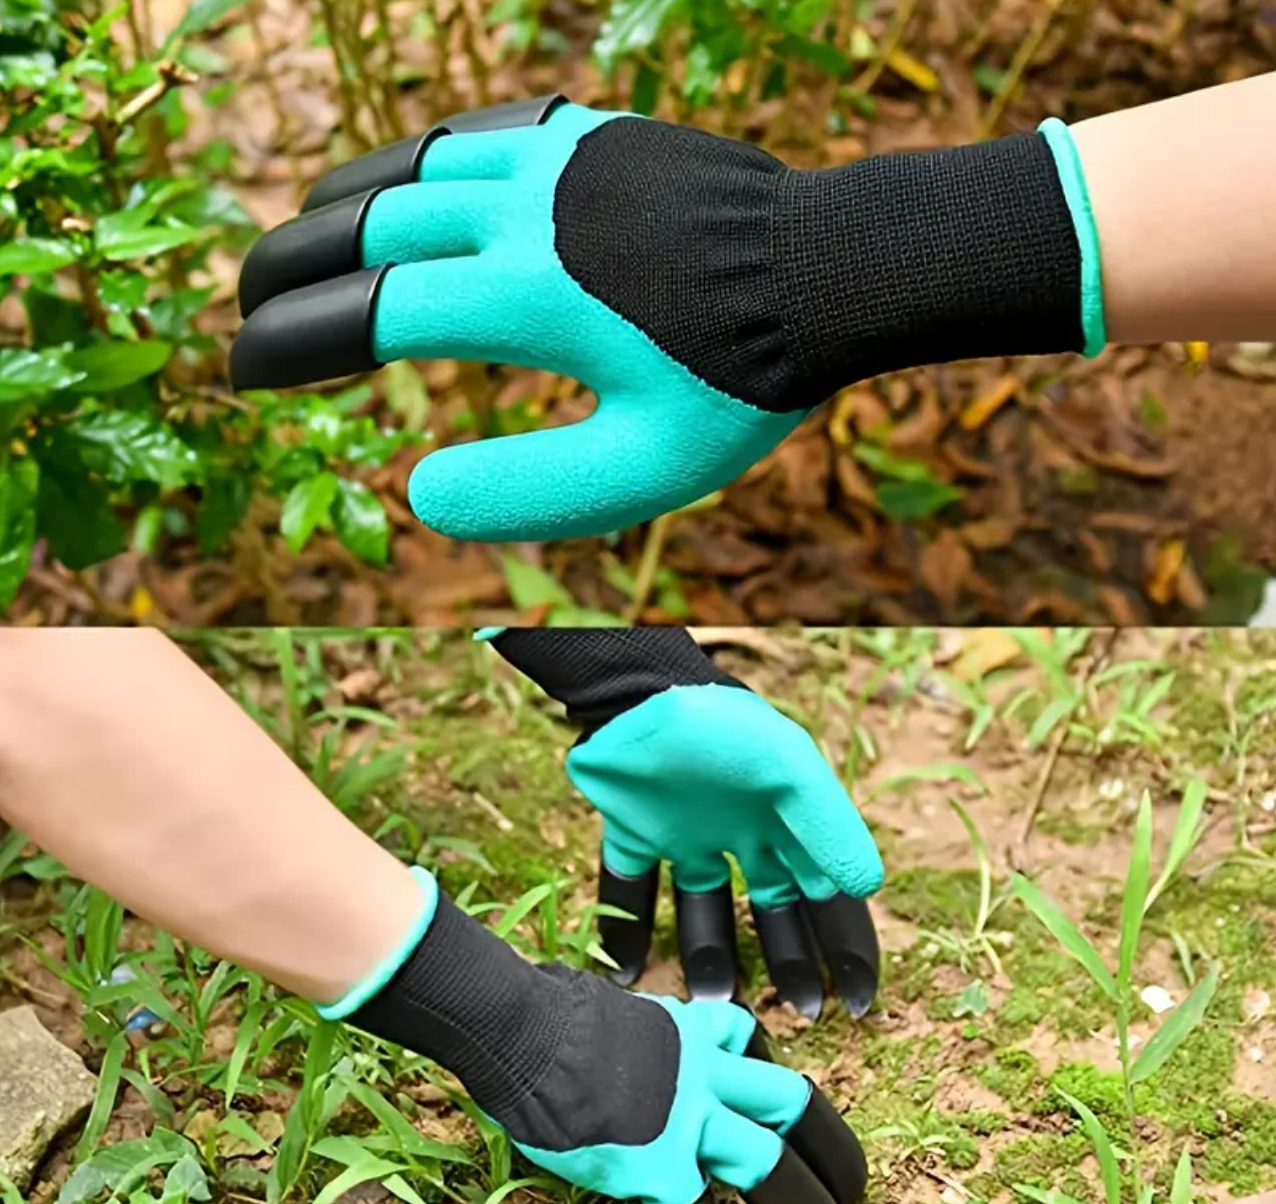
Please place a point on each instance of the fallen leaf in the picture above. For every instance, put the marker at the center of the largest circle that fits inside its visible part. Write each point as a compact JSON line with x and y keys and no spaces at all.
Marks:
{"x":984,"y":650}
{"x":911,"y":69}
{"x":979,"y":411}
{"x":1167,"y":560}
{"x":944,"y":567}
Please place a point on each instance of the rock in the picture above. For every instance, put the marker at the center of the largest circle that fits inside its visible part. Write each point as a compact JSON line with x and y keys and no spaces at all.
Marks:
{"x":44,"y":1090}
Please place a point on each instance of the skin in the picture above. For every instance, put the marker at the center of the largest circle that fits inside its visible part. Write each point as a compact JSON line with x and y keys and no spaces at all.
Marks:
{"x":116,"y":757}
{"x":1184,"y":196}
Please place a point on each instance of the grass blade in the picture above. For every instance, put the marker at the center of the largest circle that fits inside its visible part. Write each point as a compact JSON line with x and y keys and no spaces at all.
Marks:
{"x":985,"y":864}
{"x":519,"y":911}
{"x":1064,"y":931}
{"x":1181,"y":1191}
{"x":1103,"y":1151}
{"x":108,"y":1086}
{"x":1178,"y":1025}
{"x":1187,"y":831}
{"x":1136,"y":890}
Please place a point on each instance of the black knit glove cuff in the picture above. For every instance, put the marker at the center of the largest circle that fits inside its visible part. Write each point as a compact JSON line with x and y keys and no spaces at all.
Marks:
{"x":601,"y":673}
{"x":540,"y":1049}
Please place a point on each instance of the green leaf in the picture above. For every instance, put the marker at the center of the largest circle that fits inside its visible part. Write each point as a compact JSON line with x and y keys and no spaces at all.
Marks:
{"x":118,"y":245}
{"x":74,"y":513}
{"x":973,"y":1000}
{"x":531,"y":587}
{"x":411,"y":1143}
{"x":1181,"y":1191}
{"x":1187,"y":831}
{"x":370,"y":1169}
{"x":308,"y":504}
{"x":360,"y":521}
{"x":108,"y":1083}
{"x":904,"y":500}
{"x":517,"y":912}
{"x":1108,"y":1165}
{"x":1049,"y":719}
{"x":931,"y":773}
{"x":646,"y":90}
{"x":26,"y":375}
{"x":1175,"y":1029}
{"x":1045,"y":1197}
{"x":125,"y":446}
{"x":19,"y":488}
{"x":631,"y":26}
{"x":202,"y":14}
{"x":186,"y":1181}
{"x":27,"y":256}
{"x":1136,"y":891}
{"x":221,"y":510}
{"x":1064,"y":931}
{"x":108,"y":366}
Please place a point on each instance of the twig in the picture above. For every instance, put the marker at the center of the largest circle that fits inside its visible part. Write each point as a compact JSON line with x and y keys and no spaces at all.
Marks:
{"x":648,"y":566}
{"x":865,"y":81}
{"x":1018,"y":65}
{"x":170,"y":76}
{"x":1017,"y":853}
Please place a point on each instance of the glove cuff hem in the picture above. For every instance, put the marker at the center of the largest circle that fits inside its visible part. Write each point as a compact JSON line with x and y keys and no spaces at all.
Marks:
{"x":1072,"y":178}
{"x":372,"y":984}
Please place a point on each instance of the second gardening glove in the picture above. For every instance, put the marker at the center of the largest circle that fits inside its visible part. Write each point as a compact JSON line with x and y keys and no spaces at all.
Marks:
{"x":634,"y":1098}
{"x":709,"y":295}
{"x":686,"y":765}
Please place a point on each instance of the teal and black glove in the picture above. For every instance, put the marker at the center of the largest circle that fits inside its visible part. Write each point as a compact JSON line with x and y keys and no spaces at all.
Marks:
{"x":686,"y":765}
{"x":709,"y":295}
{"x":632,"y":1097}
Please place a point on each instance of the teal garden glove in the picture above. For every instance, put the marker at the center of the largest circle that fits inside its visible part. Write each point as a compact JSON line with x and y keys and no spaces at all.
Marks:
{"x":709,"y":295}
{"x":632,"y":1097}
{"x":686,"y":765}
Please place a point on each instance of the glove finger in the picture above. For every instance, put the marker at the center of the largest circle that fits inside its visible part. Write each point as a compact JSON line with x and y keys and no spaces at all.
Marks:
{"x":790,"y":955}
{"x":791,"y":1182}
{"x":623,"y":465}
{"x":847,"y":937}
{"x":402,"y":162}
{"x":763,"y":1092}
{"x":827,"y":1145}
{"x":707,"y":942}
{"x":737,"y":1151}
{"x":628,"y":942}
{"x":447,"y":308}
{"x":823,"y":820}
{"x":405,"y":224}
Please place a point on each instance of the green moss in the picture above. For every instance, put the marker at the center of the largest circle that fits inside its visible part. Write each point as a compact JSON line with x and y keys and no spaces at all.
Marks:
{"x":983,"y":1123}
{"x":1244,"y":1157}
{"x":1040,"y":1160}
{"x":1013,"y":1075}
{"x":1102,"y":1092}
{"x":944,"y":899}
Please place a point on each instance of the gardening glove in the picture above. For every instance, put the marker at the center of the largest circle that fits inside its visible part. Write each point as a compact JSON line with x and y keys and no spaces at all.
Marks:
{"x":687,"y":764}
{"x":709,"y":295}
{"x":633,"y":1097}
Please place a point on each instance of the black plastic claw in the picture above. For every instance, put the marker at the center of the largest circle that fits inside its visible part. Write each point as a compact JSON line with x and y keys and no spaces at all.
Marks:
{"x":706,"y":941}
{"x":400,"y":162}
{"x":319,"y":245}
{"x":828,"y":1145}
{"x":312,"y":334}
{"x":792,"y":1182}
{"x":758,"y":1048}
{"x":791,"y":959}
{"x":627,"y":942}
{"x":847,"y":937}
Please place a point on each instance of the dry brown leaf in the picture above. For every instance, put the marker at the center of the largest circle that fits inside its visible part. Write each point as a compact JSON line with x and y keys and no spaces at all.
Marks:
{"x":945,"y":564}
{"x":1167,"y":562}
{"x":984,"y":650}
{"x":979,"y":411}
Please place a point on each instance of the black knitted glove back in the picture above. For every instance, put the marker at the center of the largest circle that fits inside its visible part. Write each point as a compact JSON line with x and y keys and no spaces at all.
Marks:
{"x":779,"y":286}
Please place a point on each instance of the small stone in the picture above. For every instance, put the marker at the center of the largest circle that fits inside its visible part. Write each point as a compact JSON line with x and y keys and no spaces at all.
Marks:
{"x":1255,"y":1004}
{"x":1157,"y":998}
{"x":44,"y":1090}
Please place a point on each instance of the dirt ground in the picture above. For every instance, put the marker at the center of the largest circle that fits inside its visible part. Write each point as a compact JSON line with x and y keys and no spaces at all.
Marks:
{"x":954,"y":1101}
{"x":1127,"y":490}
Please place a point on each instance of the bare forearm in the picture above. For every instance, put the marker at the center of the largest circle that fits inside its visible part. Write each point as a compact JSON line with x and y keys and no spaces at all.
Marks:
{"x":1184,"y":196}
{"x":120,"y":757}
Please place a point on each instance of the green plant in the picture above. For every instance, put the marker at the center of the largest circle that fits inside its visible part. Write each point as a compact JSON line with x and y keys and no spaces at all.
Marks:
{"x":1138,"y":897}
{"x":116,"y":426}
